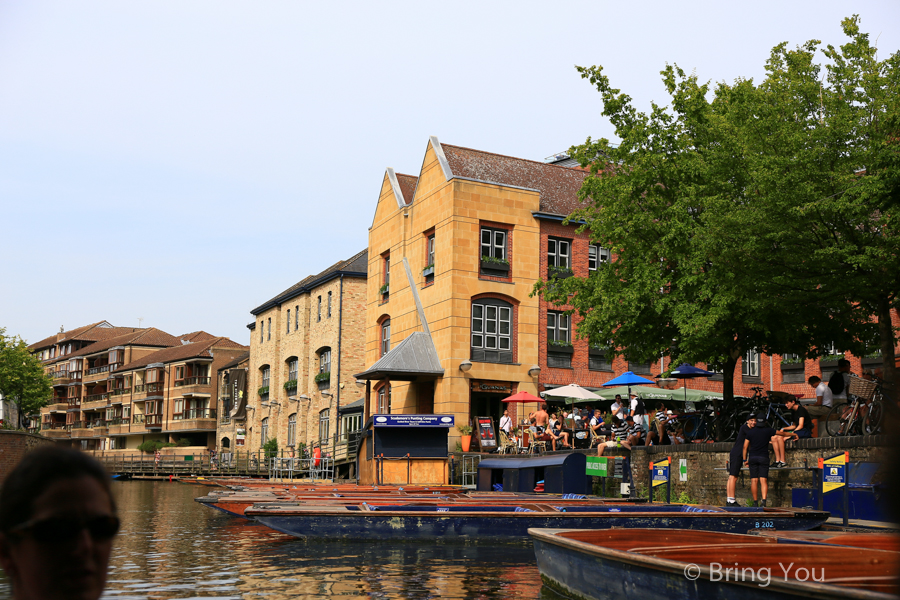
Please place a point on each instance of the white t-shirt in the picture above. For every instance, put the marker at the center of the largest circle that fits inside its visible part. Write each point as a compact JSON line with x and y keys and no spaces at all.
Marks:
{"x":618,"y":409}
{"x":505,"y":423}
{"x":827,"y":395}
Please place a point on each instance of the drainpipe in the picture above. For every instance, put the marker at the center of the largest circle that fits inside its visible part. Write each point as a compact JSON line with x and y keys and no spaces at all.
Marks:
{"x":337,"y":396}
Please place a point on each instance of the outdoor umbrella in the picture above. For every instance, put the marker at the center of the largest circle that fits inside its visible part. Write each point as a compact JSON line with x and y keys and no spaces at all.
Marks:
{"x":573,"y":392}
{"x":628,"y":378}
{"x":686,"y":371}
{"x":522,"y":397}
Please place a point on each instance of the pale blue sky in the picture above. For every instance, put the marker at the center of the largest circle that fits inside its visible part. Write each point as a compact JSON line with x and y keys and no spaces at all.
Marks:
{"x":186,"y":161}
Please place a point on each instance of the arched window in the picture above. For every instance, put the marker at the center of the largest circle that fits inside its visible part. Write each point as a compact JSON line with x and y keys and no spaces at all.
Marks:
{"x":385,"y":336}
{"x":264,"y":432}
{"x":325,"y":360}
{"x":292,"y":430}
{"x":226,"y":443}
{"x":290,"y":384}
{"x":492,"y":330}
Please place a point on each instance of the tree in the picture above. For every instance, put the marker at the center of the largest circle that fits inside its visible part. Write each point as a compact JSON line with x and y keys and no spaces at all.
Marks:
{"x":22,"y":377}
{"x":710,"y":209}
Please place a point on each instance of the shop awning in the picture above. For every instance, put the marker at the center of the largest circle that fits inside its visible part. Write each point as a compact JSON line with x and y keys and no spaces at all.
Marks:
{"x":413,"y":359}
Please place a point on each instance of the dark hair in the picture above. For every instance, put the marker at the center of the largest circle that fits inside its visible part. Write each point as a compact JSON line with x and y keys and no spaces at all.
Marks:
{"x":544,"y":406}
{"x":39,"y":470}
{"x":812,"y":379}
{"x":843,"y":363}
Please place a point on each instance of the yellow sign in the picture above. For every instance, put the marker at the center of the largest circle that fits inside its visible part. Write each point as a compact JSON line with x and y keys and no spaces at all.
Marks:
{"x":660,"y":475}
{"x":834,"y":472}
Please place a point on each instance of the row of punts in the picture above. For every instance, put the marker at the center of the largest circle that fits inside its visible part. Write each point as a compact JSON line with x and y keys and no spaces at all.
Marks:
{"x":594,"y":547}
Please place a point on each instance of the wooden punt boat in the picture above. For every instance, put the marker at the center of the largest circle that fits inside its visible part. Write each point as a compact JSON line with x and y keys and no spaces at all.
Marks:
{"x":687,"y":565}
{"x":512,"y":521}
{"x":853,"y":539}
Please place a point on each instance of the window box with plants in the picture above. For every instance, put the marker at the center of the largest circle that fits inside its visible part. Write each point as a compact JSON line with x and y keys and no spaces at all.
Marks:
{"x":793,"y":363}
{"x":830,"y":361}
{"x":872,"y":360}
{"x":291,"y":387}
{"x":263,"y":391}
{"x":494,"y":266}
{"x":560,"y":347}
{"x":428,"y":271}
{"x":559,"y":272}
{"x":323,"y":380}
{"x":384,"y":291}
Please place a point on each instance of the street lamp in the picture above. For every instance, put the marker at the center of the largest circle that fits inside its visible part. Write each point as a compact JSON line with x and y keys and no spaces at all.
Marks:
{"x":465,"y":366}
{"x":534,"y":371}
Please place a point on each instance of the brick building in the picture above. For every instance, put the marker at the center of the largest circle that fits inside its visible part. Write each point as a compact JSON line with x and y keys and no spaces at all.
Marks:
{"x":305,"y":345}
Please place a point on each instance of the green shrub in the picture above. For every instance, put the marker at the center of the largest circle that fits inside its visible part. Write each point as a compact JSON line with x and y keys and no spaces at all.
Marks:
{"x":270,"y":447}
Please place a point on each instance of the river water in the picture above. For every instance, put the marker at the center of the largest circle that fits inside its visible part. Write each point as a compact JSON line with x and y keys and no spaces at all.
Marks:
{"x":173,"y":547}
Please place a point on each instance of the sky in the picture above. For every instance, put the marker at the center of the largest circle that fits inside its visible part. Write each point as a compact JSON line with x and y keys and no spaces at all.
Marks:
{"x":175,"y":164}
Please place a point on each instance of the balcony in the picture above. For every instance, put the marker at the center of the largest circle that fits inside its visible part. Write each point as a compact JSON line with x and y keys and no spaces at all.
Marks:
{"x":118,"y":426}
{"x":55,"y":430}
{"x":155,"y":390}
{"x":119,"y":391}
{"x":58,"y":404}
{"x":153,"y":421}
{"x":195,"y":418}
{"x":95,"y":373}
{"x":95,"y":401}
{"x":73,"y":402}
{"x":89,"y":429}
{"x":192,"y":381}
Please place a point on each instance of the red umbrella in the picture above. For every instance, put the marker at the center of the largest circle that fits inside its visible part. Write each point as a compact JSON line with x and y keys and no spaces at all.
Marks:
{"x":522,"y":397}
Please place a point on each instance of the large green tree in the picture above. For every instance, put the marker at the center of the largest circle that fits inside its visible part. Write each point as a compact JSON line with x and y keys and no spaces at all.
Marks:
{"x":721,"y":212}
{"x":22,"y":377}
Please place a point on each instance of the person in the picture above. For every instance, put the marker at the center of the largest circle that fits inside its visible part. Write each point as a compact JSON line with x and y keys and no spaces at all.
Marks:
{"x":57,"y":523}
{"x":213,"y":459}
{"x":736,"y":461}
{"x":620,"y":433}
{"x":506,"y":422}
{"x":638,"y":412}
{"x":840,"y":380}
{"x":756,"y":455}
{"x":657,"y":433}
{"x":618,"y":407}
{"x":635,"y":431}
{"x":556,"y":433}
{"x":678,"y":436}
{"x":542,"y":419}
{"x":800,"y":426}
{"x":156,"y":456}
{"x":824,"y":398}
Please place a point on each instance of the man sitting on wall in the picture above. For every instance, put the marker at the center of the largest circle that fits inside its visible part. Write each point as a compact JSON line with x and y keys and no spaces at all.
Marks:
{"x":620,"y":433}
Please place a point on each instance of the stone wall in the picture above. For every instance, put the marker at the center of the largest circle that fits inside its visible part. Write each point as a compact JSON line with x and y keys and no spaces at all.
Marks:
{"x":14,"y":445}
{"x":706,"y":477}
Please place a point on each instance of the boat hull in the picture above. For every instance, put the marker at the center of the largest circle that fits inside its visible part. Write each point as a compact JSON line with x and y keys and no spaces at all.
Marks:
{"x":361,"y":525}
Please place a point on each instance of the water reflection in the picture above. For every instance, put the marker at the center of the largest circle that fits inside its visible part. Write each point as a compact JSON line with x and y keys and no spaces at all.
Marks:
{"x":172,"y":547}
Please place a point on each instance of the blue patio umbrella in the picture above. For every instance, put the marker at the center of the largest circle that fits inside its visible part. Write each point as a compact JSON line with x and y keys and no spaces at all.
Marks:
{"x":627,"y":378}
{"x":686,"y":371}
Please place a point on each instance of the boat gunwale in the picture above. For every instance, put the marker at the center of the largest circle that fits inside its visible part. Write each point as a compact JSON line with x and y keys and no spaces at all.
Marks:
{"x":805,"y":588}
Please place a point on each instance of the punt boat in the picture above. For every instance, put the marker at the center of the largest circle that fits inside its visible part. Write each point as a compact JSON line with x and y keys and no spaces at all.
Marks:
{"x":852,"y":539}
{"x":448,"y":521}
{"x":687,"y":565}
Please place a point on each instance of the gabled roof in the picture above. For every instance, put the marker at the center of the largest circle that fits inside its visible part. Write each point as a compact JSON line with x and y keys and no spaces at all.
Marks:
{"x":92,"y":332}
{"x":407,"y":185}
{"x":196,"y":336}
{"x":142,"y":337}
{"x":355,"y":266}
{"x":558,"y":186}
{"x":204,"y":349}
{"x":236,"y":361}
{"x":413,"y":358}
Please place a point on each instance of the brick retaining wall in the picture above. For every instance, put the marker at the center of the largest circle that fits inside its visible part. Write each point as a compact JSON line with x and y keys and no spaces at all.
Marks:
{"x":14,"y":445}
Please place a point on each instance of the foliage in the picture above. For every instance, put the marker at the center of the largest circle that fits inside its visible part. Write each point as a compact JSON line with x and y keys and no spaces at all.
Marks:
{"x":270,"y":447}
{"x":685,"y":498}
{"x":830,"y":358}
{"x":494,"y":260}
{"x":151,"y":446}
{"x":383,"y":290}
{"x":725,"y":214}
{"x":290,"y":385}
{"x":464,"y":429}
{"x":559,"y":271}
{"x":323,"y":376}
{"x":263,"y":390}
{"x":431,"y":266}
{"x":794,"y":359}
{"x":560,"y":343}
{"x":22,"y":377}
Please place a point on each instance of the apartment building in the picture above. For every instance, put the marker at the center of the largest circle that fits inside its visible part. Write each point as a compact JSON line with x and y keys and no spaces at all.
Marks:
{"x":305,"y":345}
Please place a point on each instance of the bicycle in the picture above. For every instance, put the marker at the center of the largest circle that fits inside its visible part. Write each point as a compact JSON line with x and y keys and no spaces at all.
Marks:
{"x":863,"y":413}
{"x":770,"y":403}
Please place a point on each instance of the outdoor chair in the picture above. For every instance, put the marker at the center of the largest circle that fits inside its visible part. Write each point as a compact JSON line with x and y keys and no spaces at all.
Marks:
{"x":535,"y":446}
{"x":507,"y":446}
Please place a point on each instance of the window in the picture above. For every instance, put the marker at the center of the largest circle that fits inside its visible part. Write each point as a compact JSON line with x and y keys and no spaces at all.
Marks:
{"x":386,"y":276}
{"x":296,"y":317}
{"x":179,"y":375}
{"x":265,"y":376}
{"x":750,"y":364}
{"x":324,"y":417}
{"x":559,"y":347}
{"x":292,"y":370}
{"x":492,"y":331}
{"x":292,"y":430}
{"x":178,"y":410}
{"x":384,"y":399}
{"x":385,"y":336}
{"x":325,"y":361}
{"x":264,"y":432}
{"x":262,"y":331}
{"x":269,"y":337}
{"x":597,"y":255}
{"x":599,"y":358}
{"x":329,"y":305}
{"x":558,"y":254}
{"x":319,"y":309}
{"x":640,"y":368}
{"x":429,"y":249}
{"x":350,"y":424}
{"x":493,"y":243}
{"x":289,"y":321}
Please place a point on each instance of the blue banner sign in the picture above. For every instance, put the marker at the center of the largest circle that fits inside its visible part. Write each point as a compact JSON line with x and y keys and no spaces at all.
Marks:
{"x":413,"y":420}
{"x":660,"y":472}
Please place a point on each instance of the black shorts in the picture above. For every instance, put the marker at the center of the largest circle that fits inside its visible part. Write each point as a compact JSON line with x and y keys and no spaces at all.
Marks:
{"x":759,"y":467}
{"x":735,"y":462}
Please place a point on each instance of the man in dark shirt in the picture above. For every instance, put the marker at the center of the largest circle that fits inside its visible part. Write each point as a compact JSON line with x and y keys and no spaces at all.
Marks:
{"x":801,"y":426}
{"x":756,"y":454}
{"x":736,"y":461}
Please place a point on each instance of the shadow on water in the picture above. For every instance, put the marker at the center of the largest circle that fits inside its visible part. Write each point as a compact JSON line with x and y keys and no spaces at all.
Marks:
{"x":172,"y":547}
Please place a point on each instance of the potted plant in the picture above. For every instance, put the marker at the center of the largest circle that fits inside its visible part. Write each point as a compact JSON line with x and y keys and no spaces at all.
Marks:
{"x":492,"y":263}
{"x":560,"y":347}
{"x":384,"y":290}
{"x":465,"y":436}
{"x":290,"y":386}
{"x":559,"y":272}
{"x":429,"y":270}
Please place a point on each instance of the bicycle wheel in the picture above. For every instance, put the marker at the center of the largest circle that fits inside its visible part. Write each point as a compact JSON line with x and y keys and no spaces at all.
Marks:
{"x":725,"y":428}
{"x":837,"y":418}
{"x":874,"y":418}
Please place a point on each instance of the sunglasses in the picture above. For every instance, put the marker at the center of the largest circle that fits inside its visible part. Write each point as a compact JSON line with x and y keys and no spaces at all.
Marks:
{"x":67,"y":529}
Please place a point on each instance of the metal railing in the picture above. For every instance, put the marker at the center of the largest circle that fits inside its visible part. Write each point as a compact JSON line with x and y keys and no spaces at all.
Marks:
{"x":195,"y":413}
{"x":301,"y":468}
{"x":201,"y":463}
{"x":140,"y":388}
{"x":119,"y":391}
{"x":153,"y":420}
{"x":192,"y":381}
{"x":137,"y":418}
{"x":98,"y":370}
{"x":96,"y":397}
{"x":157,"y":387}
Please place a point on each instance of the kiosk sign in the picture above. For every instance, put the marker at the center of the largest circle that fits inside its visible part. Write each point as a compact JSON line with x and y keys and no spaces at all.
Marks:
{"x":834,"y":472}
{"x":660,"y":472}
{"x":412,"y":420}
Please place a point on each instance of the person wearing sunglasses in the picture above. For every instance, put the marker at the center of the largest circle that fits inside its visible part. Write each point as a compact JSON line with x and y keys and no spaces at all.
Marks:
{"x":57,"y":524}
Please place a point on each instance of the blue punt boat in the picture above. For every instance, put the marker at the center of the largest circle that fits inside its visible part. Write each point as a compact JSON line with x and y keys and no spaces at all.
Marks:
{"x":691,"y":565}
{"x":497,"y":522}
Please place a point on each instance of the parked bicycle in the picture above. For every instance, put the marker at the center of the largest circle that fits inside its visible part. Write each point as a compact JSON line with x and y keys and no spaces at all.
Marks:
{"x":862,"y":413}
{"x":770,"y":403}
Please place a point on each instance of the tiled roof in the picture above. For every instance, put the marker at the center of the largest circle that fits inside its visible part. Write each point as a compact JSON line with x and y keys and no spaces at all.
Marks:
{"x":407,"y":186}
{"x":196,"y":336}
{"x":183,"y":352}
{"x":143,"y":337}
{"x":358,"y":263}
{"x":558,"y":186}
{"x":65,"y":335}
{"x":235,"y":362}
